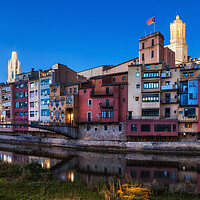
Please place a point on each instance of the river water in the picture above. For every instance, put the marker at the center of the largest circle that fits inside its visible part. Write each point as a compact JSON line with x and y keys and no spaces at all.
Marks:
{"x":170,"y":171}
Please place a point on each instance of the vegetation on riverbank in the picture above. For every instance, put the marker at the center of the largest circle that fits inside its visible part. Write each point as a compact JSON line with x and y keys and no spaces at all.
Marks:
{"x":33,"y":182}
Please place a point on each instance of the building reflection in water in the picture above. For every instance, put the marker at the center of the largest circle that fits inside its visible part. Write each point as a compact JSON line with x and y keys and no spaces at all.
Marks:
{"x":92,"y":167}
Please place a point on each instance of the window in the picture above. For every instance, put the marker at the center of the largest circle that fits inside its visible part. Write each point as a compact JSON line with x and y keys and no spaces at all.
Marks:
{"x":150,"y":112}
{"x":188,"y":125}
{"x":26,"y":113}
{"x":123,"y":78}
{"x":45,"y":81}
{"x":137,"y":74}
{"x":36,"y":92}
{"x":150,"y":74}
{"x":31,"y":113}
{"x":105,"y":128}
{"x":192,"y":95}
{"x":167,"y":82}
{"x":51,"y":113}
{"x":107,"y":114}
{"x":174,"y":127}
{"x":124,"y":100}
{"x":120,"y":127}
{"x":152,"y":54}
{"x":95,"y":129}
{"x":152,"y":42}
{"x":45,"y":91}
{"x":26,"y":84}
{"x":57,"y":115}
{"x":122,"y":87}
{"x":54,"y":90}
{"x":190,"y":112}
{"x":25,"y":103}
{"x":75,"y":90}
{"x":16,"y":85}
{"x":36,"y":83}
{"x":136,"y":98}
{"x":162,"y":127}
{"x":192,"y":83}
{"x":62,"y":115}
{"x":51,"y":102}
{"x":21,"y":85}
{"x":70,"y":90}
{"x":89,"y":102}
{"x":145,"y":127}
{"x":191,"y":74}
{"x":57,"y":102}
{"x":143,"y":56}
{"x":143,"y":45}
{"x":84,"y":90}
{"x":31,"y":93}
{"x":147,"y":66}
{"x":156,"y":66}
{"x":32,"y":104}
{"x":138,"y":86}
{"x":150,"y":85}
{"x":21,"y":113}
{"x":113,"y":79}
{"x":21,"y":94}
{"x":133,"y":127}
{"x":26,"y":94}
{"x":45,"y":112}
{"x":17,"y":95}
{"x":62,"y":101}
{"x":16,"y":113}
{"x":69,"y":100}
{"x":150,"y":98}
{"x":17,"y":104}
{"x":44,"y":101}
{"x":21,"y":104}
{"x":32,"y":85}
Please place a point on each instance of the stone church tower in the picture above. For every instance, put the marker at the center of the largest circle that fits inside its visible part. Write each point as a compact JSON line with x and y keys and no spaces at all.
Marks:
{"x":14,"y":67}
{"x":177,"y":40}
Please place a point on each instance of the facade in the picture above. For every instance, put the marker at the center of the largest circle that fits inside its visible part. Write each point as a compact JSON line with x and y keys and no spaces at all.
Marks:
{"x":188,"y":108}
{"x":152,"y":91}
{"x":102,"y":102}
{"x":33,"y":101}
{"x":14,"y":68}
{"x":7,"y":106}
{"x":21,"y":104}
{"x":177,"y":41}
{"x":45,"y":79}
{"x":64,"y":104}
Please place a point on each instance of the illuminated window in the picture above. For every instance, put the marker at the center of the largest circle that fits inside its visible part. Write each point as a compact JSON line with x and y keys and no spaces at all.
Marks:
{"x":136,"y":98}
{"x":188,"y":125}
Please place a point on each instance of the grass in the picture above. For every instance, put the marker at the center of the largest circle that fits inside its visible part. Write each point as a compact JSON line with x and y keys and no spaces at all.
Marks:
{"x":32,"y":182}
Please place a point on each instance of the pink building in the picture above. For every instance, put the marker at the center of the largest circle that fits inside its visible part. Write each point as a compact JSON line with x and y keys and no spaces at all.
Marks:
{"x":103,"y":106}
{"x":21,"y":104}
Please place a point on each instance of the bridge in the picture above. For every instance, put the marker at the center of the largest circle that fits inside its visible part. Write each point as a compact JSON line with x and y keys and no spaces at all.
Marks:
{"x":61,"y":128}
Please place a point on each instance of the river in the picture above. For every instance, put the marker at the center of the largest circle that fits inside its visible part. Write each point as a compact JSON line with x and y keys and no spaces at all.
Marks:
{"x":170,"y":171}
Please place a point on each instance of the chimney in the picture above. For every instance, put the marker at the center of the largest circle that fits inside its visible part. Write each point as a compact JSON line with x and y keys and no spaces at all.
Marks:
{"x":32,"y":69}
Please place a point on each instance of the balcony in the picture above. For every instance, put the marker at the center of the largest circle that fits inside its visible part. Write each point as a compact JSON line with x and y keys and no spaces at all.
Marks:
{"x":190,"y":118}
{"x":165,"y":75}
{"x":96,"y":94}
{"x":106,"y":105}
{"x":186,"y":78}
{"x":160,"y":117}
{"x":169,"y":100}
{"x":169,"y":87}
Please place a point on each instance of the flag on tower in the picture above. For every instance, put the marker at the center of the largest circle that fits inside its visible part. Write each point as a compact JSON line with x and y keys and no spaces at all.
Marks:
{"x":151,"y":21}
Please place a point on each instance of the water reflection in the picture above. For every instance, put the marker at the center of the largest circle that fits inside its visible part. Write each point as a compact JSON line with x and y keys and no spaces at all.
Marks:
{"x":168,"y":171}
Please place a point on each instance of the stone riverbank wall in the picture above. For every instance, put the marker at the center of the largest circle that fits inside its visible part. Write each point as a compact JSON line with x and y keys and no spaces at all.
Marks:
{"x":192,"y":147}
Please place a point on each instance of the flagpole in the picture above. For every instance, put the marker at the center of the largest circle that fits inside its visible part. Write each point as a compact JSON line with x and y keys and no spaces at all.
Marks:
{"x":154,"y":27}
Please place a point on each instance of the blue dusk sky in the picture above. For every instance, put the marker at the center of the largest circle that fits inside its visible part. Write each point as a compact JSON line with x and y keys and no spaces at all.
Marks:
{"x":87,"y":33}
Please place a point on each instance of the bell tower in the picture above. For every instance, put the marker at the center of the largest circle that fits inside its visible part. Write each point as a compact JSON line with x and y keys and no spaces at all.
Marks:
{"x":177,"y":40}
{"x":14,"y":67}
